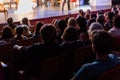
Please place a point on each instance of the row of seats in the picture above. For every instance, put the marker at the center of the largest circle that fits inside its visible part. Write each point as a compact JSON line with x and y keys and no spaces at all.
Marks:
{"x":60,"y":67}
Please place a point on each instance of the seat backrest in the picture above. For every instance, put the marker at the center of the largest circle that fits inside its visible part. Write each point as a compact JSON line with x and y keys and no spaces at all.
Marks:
{"x":25,"y":42}
{"x":81,"y":56}
{"x":117,"y":43}
{"x":5,"y":52}
{"x":55,"y":68}
{"x":113,"y":74}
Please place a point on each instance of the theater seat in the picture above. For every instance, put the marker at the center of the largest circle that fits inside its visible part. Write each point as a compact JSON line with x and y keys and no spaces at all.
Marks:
{"x":113,"y":74}
{"x":56,"y":68}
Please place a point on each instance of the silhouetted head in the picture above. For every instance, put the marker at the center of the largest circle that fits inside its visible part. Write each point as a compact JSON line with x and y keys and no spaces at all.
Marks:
{"x":48,"y":33}
{"x":102,"y":41}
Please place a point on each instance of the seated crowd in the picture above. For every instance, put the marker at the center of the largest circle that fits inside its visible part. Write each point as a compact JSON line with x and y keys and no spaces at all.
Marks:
{"x":99,"y":31}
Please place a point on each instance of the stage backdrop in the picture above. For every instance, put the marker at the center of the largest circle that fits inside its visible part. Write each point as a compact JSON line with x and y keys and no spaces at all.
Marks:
{"x":100,"y":2}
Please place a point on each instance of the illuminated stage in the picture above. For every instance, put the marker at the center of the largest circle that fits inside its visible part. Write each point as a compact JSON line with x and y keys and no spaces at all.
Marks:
{"x":43,"y":12}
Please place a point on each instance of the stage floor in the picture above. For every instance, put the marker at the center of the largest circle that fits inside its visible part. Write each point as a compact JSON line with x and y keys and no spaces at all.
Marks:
{"x":43,"y":12}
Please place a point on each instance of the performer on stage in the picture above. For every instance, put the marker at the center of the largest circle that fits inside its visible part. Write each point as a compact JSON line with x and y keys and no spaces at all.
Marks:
{"x":25,"y":6}
{"x":63,"y":4}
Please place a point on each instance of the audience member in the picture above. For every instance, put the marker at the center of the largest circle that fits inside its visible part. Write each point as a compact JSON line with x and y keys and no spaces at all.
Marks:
{"x":38,"y":26}
{"x":81,"y":22}
{"x":70,"y":38}
{"x":35,"y":53}
{"x":109,"y":20}
{"x":101,"y":19}
{"x":7,"y":36}
{"x":115,"y":30}
{"x":80,"y":13}
{"x":72,"y":22}
{"x":11,"y":25}
{"x":19,"y":34}
{"x":26,"y":31}
{"x":62,"y":25}
{"x":102,"y":46}
{"x":70,"y":34}
{"x":91,"y":20}
{"x":83,"y":34}
{"x":25,"y":21}
{"x":95,"y":26}
{"x":100,"y":12}
{"x":87,"y":14}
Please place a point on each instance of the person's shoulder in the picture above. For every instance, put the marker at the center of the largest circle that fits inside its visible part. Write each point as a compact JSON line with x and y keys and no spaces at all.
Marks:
{"x":90,"y":65}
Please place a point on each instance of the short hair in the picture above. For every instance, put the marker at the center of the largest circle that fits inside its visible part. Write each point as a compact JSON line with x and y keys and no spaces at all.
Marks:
{"x":7,"y":33}
{"x":101,"y":19}
{"x":95,"y":26}
{"x":81,"y":12}
{"x":25,"y":21}
{"x":100,"y":12}
{"x":38,"y":25}
{"x":102,"y":41}
{"x":72,"y":22}
{"x":48,"y":33}
{"x":10,"y":20}
{"x":19,"y":30}
{"x":70,"y":34}
{"x":81,"y":21}
{"x":116,"y":21}
{"x":110,"y":15}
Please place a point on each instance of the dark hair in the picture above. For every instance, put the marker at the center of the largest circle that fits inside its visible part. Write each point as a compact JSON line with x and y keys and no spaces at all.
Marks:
{"x":38,"y":25}
{"x":25,"y":21}
{"x":70,"y":34}
{"x":93,"y":16}
{"x":7,"y":33}
{"x":116,"y":21}
{"x":19,"y":30}
{"x":100,"y":12}
{"x":102,"y":41}
{"x":82,"y":23}
{"x":48,"y":33}
{"x":101,"y":19}
{"x":110,"y":15}
{"x":10,"y":20}
{"x":62,"y":25}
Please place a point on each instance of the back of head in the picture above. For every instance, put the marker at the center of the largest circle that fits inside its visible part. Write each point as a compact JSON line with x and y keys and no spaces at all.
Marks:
{"x":110,"y":15}
{"x":62,"y":25}
{"x":48,"y":33}
{"x":70,"y":34}
{"x":95,"y":26}
{"x":38,"y":25}
{"x":25,"y":21}
{"x":93,"y":16}
{"x":102,"y":41}
{"x":25,"y":29}
{"x":88,"y":11}
{"x":81,"y":21}
{"x":116,"y":21}
{"x":72,"y":22}
{"x":81,"y":12}
{"x":7,"y":33}
{"x":100,"y":12}
{"x":10,"y":20}
{"x":19,"y":30}
{"x":101,"y":19}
